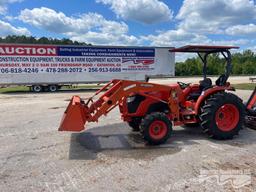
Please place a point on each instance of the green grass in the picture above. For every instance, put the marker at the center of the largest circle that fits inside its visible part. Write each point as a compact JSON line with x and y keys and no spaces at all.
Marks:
{"x":14,"y":89}
{"x":26,"y":89}
{"x":245,"y":86}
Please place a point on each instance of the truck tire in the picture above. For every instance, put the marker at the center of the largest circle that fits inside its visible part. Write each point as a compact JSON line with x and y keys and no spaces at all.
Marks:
{"x":37,"y":88}
{"x":156,"y":128}
{"x":135,"y":124}
{"x":222,"y":116}
{"x":53,"y":88}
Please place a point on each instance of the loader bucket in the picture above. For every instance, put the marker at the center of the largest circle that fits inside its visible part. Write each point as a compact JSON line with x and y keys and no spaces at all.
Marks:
{"x":74,"y":117}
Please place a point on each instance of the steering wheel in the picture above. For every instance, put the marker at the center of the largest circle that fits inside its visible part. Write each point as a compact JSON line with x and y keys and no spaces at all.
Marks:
{"x":183,"y":85}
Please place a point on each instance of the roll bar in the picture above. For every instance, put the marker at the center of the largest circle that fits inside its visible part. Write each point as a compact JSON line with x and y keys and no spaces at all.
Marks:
{"x":204,"y":51}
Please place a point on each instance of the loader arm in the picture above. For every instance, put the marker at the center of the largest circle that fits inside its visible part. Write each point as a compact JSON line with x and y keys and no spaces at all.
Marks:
{"x":252,"y":101}
{"x":250,"y":118}
{"x":111,"y":95}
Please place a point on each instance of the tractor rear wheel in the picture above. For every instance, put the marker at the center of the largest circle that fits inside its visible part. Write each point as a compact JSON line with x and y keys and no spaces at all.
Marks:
{"x":222,"y":116}
{"x":156,"y":128}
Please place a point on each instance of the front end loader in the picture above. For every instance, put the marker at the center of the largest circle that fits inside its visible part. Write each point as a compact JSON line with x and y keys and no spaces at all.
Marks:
{"x":153,"y":109}
{"x":117,"y":93}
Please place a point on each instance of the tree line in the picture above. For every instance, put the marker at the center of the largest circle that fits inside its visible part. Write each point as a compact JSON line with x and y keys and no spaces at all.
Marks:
{"x":243,"y":63}
{"x":43,"y":40}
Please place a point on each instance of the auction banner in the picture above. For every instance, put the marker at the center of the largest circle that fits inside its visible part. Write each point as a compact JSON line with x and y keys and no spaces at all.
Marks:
{"x":30,"y":59}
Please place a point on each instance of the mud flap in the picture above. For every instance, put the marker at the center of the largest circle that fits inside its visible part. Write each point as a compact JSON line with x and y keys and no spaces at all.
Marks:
{"x":74,"y":117}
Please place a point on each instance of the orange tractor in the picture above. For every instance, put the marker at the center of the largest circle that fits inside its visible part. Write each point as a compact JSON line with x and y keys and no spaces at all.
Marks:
{"x":152,"y":109}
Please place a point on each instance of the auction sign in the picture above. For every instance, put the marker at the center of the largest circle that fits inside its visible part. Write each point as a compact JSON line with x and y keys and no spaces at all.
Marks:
{"x":30,"y":59}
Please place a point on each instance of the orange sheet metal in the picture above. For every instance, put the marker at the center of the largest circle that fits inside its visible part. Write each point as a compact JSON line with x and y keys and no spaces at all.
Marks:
{"x":252,"y":100}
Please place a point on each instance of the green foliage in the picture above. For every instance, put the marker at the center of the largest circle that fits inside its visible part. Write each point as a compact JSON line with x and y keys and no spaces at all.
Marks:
{"x":245,"y":86}
{"x":192,"y":66}
{"x":43,"y":40}
{"x":243,"y":64}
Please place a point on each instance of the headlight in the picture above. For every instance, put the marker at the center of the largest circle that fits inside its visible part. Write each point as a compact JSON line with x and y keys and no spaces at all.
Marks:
{"x":130,"y":99}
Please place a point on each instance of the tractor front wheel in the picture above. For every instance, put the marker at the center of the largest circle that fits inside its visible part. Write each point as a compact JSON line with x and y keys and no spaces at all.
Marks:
{"x":222,"y":116}
{"x":156,"y":128}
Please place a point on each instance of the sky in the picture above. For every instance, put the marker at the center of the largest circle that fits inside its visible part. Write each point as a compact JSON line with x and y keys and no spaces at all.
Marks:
{"x":134,"y":22}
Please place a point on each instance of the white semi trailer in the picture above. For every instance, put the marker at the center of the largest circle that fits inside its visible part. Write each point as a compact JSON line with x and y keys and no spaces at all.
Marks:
{"x":48,"y":67}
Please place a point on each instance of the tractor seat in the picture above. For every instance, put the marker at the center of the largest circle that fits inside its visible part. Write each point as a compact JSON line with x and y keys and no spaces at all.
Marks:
{"x":205,"y":84}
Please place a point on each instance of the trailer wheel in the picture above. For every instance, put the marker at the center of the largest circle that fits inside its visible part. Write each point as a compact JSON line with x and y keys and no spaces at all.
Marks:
{"x":135,"y":124}
{"x":222,"y":116}
{"x":53,"y":88}
{"x":37,"y":88}
{"x":156,"y":128}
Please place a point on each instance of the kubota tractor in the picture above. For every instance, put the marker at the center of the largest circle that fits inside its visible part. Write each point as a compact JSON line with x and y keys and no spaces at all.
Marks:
{"x":153,"y":109}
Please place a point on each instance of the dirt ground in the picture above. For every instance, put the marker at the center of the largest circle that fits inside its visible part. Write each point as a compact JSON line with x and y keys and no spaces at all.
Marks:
{"x":34,"y":156}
